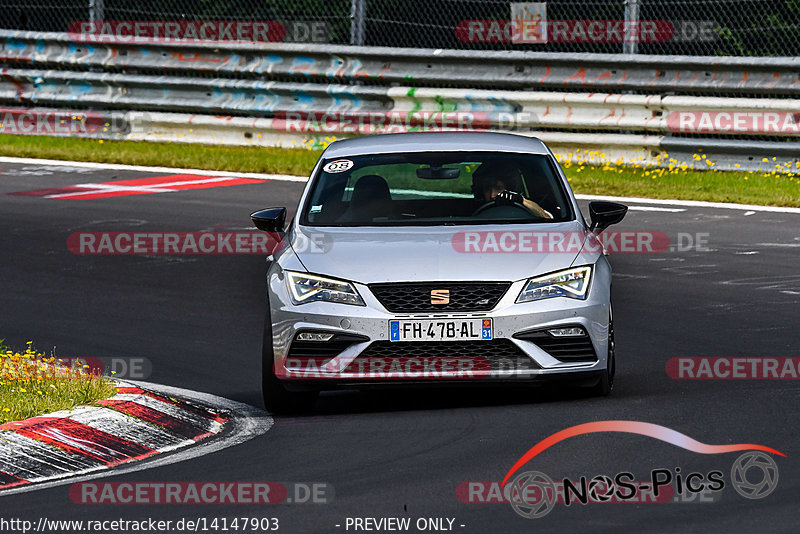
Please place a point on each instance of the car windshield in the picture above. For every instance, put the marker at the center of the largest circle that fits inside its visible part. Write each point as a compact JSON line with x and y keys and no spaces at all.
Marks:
{"x":436,"y":188}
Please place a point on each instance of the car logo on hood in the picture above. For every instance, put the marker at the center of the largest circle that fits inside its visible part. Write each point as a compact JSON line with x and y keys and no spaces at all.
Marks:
{"x":440,"y":297}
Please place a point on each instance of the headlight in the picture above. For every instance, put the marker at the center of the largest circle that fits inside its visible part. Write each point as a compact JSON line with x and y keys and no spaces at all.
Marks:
{"x":572,"y":283}
{"x":309,"y":288}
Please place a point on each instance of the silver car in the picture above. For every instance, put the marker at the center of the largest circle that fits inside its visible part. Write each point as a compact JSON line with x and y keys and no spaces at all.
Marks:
{"x":436,"y":258}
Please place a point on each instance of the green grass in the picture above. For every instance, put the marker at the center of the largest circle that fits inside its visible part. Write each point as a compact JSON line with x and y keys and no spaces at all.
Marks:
{"x":765,"y":189}
{"x":218,"y":158}
{"x":774,"y":189}
{"x":32,"y":384}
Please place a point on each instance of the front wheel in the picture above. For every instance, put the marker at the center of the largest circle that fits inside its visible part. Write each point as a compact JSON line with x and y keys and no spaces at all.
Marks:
{"x":278,"y":399}
{"x":606,"y":384}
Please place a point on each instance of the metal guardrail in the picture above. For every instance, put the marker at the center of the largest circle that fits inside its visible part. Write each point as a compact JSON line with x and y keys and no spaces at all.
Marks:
{"x":511,"y":110}
{"x":589,"y":111}
{"x":408,"y":66}
{"x":157,"y":92}
{"x":628,"y":106}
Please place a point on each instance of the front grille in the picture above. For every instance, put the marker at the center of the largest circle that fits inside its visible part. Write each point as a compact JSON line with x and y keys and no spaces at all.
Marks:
{"x":565,"y":349}
{"x":494,"y":355}
{"x":414,"y":297}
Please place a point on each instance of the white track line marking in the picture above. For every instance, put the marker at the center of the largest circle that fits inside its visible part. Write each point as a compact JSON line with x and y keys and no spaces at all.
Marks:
{"x":245,"y":423}
{"x":145,"y":168}
{"x":154,"y":188}
{"x":691,"y":203}
{"x":101,"y":188}
{"x":655,"y":208}
{"x":291,"y":178}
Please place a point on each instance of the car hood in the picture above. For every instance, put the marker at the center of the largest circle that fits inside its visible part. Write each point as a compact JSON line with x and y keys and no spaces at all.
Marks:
{"x":394,"y":254}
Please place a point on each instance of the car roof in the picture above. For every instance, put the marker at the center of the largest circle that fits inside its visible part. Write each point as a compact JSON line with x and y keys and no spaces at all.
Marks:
{"x":436,"y":142}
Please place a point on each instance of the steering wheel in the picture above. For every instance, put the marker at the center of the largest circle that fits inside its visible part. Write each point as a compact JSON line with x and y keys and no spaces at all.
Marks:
{"x":494,"y":205}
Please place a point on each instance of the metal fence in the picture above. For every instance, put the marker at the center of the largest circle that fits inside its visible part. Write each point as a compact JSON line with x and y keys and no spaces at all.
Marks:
{"x":739,"y":112}
{"x":668,"y":27}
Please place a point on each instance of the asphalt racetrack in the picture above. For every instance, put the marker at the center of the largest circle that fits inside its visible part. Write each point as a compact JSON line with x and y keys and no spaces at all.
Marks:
{"x":197,"y":320}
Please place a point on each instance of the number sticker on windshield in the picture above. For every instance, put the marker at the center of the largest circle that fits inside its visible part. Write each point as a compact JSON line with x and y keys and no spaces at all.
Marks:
{"x":340,"y":165}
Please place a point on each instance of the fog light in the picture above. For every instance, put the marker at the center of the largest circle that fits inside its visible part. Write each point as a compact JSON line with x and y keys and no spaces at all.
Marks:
{"x":572,"y":331}
{"x":313,"y":336}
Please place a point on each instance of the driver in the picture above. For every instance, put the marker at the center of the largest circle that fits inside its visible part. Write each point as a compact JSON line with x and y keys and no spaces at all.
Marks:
{"x":500,"y":184}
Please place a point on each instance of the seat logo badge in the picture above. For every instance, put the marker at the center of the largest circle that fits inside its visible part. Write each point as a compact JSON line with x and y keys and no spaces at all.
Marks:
{"x":440,"y":297}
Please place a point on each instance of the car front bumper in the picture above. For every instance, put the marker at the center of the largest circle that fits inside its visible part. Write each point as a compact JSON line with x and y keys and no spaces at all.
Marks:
{"x":367,"y":357}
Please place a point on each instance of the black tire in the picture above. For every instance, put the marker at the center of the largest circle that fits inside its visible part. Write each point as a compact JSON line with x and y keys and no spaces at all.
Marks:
{"x":606,"y":384}
{"x":278,"y":399}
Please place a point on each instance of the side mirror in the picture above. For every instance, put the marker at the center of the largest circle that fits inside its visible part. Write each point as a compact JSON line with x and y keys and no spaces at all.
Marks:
{"x":604,"y":214}
{"x":270,"y":219}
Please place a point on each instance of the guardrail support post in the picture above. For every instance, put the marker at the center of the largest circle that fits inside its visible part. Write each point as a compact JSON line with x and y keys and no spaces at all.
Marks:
{"x":631,"y":41}
{"x":96,"y":8}
{"x":358,"y":11}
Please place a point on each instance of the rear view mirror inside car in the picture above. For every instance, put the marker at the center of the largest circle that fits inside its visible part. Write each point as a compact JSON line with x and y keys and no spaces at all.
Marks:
{"x":438,"y":173}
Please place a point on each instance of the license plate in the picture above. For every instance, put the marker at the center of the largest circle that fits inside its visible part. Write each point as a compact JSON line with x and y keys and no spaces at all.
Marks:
{"x":440,"y":330}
